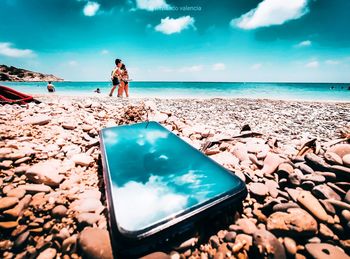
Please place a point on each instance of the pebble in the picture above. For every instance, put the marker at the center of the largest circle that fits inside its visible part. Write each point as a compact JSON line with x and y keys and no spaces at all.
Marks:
{"x":341,"y":149}
{"x":290,"y":245}
{"x":87,"y":205}
{"x":18,"y":209}
{"x":305,"y":168}
{"x":346,"y":160}
{"x":48,"y":253}
{"x":347,"y":197}
{"x":95,"y":243}
{"x":316,"y":178}
{"x":346,"y":215}
{"x":69,"y":126}
{"x":6,"y":164}
{"x":37,"y":120}
{"x":59,"y":211}
{"x":230,"y":236}
{"x":8,"y":202}
{"x":284,"y":206}
{"x":268,"y":244}
{"x":35,"y":188}
{"x":214,"y":242}
{"x":294,"y":179}
{"x":156,"y":255}
{"x":324,"y":250}
{"x":70,"y":244}
{"x":46,"y":172}
{"x":326,"y":232}
{"x":21,"y":239}
{"x":295,"y":222}
{"x":316,"y":162}
{"x":258,"y":189}
{"x":307,"y":200}
{"x":271,"y":163}
{"x":323,"y":191}
{"x":82,"y":159}
{"x":88,"y":218}
{"x":245,"y":239}
{"x":333,"y":158}
{"x":285,"y":169}
{"x":240,"y":151}
{"x":246,"y":226}
{"x":8,"y":224}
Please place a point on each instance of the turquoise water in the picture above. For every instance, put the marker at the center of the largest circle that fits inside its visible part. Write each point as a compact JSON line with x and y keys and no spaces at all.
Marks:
{"x":155,"y":175}
{"x":289,"y":91}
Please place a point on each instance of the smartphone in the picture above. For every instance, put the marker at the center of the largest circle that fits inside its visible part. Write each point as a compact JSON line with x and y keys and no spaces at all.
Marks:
{"x":158,"y":186}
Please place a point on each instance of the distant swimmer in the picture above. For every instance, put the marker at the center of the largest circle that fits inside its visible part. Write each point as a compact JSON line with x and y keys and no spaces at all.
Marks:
{"x":97,"y":91}
{"x":332,"y":87}
{"x":51,"y":87}
{"x":349,"y":88}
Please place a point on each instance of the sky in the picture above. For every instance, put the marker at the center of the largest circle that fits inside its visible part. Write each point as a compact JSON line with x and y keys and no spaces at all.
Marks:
{"x":180,"y":40}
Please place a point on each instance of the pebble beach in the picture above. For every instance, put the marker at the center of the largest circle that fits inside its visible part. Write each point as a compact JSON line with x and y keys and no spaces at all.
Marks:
{"x":293,"y":156}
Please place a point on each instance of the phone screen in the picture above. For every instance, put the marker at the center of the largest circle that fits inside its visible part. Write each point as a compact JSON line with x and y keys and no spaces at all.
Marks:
{"x":155,"y":176}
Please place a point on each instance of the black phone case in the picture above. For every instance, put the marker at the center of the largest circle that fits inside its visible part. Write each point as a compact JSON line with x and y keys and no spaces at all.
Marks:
{"x":163,"y":235}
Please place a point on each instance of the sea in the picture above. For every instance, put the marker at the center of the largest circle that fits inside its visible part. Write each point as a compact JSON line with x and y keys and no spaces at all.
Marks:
{"x":138,"y":89}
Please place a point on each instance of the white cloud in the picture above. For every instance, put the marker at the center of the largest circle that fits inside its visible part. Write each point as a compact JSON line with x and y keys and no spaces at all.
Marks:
{"x":151,"y":5}
{"x":6,"y":49}
{"x":91,"y":8}
{"x":312,"y":64}
{"x":332,"y":62}
{"x":170,"y":25}
{"x":256,"y":66}
{"x":165,"y":69}
{"x":304,"y":43}
{"x":271,"y":12}
{"x":104,"y":52}
{"x":73,"y":63}
{"x":195,"y":68}
{"x":219,"y":66}
{"x":158,"y":201}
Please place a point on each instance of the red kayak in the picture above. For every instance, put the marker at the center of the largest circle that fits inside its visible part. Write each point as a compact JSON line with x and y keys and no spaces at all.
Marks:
{"x":8,"y":95}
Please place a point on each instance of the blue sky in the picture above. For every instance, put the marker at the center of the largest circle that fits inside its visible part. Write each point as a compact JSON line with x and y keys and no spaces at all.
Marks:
{"x":183,"y":40}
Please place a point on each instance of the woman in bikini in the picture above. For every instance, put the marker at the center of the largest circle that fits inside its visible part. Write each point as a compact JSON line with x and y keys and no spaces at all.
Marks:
{"x":124,"y":81}
{"x":116,"y":76}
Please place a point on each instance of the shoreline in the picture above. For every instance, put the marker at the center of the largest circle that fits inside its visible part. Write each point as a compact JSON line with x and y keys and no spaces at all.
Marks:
{"x":180,"y":98}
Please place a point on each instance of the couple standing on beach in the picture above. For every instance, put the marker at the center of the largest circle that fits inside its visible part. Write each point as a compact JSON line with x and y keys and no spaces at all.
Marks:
{"x":120,"y":79}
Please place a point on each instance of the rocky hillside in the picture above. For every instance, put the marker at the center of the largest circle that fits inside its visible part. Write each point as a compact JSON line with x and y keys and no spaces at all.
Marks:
{"x":21,"y":75}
